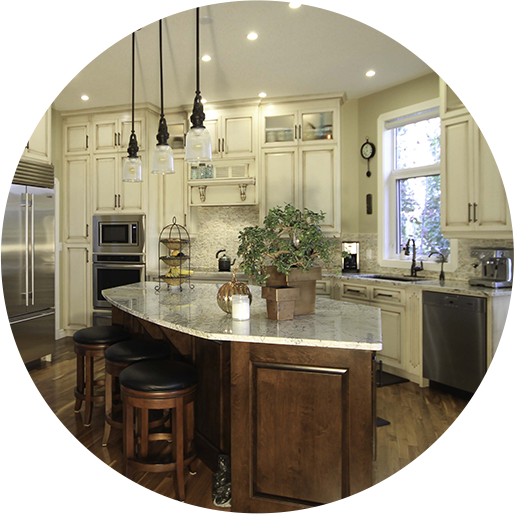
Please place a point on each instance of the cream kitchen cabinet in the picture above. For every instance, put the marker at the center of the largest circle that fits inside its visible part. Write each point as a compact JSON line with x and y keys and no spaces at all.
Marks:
{"x":109,"y":193}
{"x":306,"y":177}
{"x":450,"y":104}
{"x":76,"y":192}
{"x":233,"y":131}
{"x":473,"y":199}
{"x":300,"y":123}
{"x":112,"y":133}
{"x":38,"y":147}
{"x":399,"y":308}
{"x":76,"y":136}
{"x":77,"y":301}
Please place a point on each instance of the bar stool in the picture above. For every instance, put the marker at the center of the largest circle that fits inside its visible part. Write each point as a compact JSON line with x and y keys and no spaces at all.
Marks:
{"x":159,"y":385}
{"x":118,"y":357}
{"x":90,"y":343}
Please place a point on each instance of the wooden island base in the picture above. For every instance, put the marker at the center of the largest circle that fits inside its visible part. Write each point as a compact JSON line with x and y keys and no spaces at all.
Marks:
{"x":296,"y":421}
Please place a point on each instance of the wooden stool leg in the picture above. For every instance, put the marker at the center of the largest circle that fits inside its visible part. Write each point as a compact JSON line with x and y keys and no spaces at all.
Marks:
{"x":143,"y":436}
{"x":108,"y":406}
{"x":178,"y":438}
{"x":128,"y":436}
{"x":80,"y":381}
{"x":89,"y":389}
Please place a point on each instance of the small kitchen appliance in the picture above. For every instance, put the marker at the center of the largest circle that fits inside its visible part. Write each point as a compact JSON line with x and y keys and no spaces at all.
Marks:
{"x":224,"y":261}
{"x":119,"y":233}
{"x":496,"y":264}
{"x":351,"y":263}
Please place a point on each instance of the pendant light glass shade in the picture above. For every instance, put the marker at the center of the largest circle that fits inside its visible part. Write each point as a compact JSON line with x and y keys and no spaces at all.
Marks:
{"x":132,"y":167}
{"x":162,"y":162}
{"x":198,"y":139}
{"x":198,"y":145}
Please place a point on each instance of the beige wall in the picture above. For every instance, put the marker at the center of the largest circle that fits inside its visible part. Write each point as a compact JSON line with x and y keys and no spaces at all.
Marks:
{"x":370,"y":108}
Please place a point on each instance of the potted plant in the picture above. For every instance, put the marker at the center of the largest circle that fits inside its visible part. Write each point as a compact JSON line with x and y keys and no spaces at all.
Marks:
{"x":286,"y":252}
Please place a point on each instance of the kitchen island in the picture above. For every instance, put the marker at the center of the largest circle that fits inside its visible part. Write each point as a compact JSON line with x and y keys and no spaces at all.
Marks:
{"x":291,"y":402}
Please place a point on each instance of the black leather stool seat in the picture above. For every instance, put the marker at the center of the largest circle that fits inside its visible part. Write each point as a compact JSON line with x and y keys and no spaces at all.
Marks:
{"x":101,"y":335}
{"x":158,"y":376}
{"x":134,"y":350}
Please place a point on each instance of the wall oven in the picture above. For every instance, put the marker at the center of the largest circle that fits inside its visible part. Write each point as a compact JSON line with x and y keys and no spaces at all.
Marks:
{"x":119,"y":233}
{"x":113,"y":271}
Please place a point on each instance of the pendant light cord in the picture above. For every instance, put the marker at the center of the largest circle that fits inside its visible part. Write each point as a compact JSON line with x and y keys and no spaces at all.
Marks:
{"x":133,"y":76}
{"x":162,"y":80}
{"x":198,"y":50}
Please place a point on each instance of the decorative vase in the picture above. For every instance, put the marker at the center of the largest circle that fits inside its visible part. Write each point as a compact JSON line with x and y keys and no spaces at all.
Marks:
{"x":226,"y":291}
{"x":305,"y":281}
{"x":280,"y":301}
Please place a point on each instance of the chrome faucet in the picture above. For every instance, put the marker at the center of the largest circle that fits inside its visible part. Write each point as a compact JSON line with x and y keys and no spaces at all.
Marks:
{"x":442,"y":260}
{"x":413,"y":269}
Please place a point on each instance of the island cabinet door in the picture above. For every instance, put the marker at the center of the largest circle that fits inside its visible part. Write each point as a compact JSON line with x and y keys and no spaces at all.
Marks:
{"x":302,"y":426}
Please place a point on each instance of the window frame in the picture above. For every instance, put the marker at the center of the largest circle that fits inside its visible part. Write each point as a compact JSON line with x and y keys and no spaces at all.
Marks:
{"x":387,"y":192}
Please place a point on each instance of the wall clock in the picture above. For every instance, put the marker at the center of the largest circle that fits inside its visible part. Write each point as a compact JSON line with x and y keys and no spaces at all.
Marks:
{"x":368,"y":151}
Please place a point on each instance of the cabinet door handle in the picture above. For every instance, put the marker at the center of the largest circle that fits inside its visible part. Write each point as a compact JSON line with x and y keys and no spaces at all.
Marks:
{"x":353,"y":291}
{"x":87,"y":142}
{"x":87,"y":230}
{"x":87,"y":255}
{"x":385,"y":295}
{"x":185,"y":220}
{"x":115,"y":201}
{"x":219,"y":145}
{"x":299,"y":132}
{"x":119,"y":138}
{"x":475,"y":212}
{"x":470,"y":219}
{"x":27,"y":146}
{"x":119,"y":200}
{"x":295,"y":131}
{"x":223,"y":145}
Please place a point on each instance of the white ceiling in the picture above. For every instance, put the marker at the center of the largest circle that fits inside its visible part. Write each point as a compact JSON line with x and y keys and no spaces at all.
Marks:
{"x":301,"y":51}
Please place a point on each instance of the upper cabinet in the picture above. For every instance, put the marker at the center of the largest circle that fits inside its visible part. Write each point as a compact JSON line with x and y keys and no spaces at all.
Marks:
{"x":112,"y":133}
{"x":39,"y":145}
{"x":233,"y":131}
{"x":76,"y":136}
{"x":300,"y":123}
{"x":473,"y":199}
{"x":300,"y":159}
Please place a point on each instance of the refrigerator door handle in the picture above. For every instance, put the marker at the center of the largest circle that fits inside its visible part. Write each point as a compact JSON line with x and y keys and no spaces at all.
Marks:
{"x":32,"y":246}
{"x":26,"y":249}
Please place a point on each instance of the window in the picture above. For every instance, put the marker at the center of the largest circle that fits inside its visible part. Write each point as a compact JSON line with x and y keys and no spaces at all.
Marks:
{"x":410,"y":185}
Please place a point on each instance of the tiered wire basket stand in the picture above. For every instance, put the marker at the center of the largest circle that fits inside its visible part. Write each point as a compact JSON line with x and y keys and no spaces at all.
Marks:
{"x":176,"y":259}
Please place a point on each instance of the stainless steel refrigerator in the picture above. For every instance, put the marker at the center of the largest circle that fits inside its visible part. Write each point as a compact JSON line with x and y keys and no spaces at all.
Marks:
{"x":28,"y":263}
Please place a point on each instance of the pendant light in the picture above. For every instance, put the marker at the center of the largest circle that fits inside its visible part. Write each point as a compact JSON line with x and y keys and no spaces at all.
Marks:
{"x":198,"y":140}
{"x":162,"y":163}
{"x":132,"y":168}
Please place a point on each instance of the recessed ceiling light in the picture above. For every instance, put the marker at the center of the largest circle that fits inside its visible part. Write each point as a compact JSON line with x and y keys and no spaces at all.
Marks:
{"x":263,"y":95}
{"x":370,"y":73}
{"x":252,"y":36}
{"x":295,"y":5}
{"x":84,"y":97}
{"x":206,"y":58}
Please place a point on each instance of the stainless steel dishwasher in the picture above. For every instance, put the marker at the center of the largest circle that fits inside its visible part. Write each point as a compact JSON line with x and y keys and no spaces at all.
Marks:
{"x":454,"y":339}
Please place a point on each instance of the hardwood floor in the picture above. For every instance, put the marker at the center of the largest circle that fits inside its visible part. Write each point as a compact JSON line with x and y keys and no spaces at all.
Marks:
{"x":423,"y":456}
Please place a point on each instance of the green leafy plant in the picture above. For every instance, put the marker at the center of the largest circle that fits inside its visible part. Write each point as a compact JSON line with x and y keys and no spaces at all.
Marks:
{"x":290,"y":238}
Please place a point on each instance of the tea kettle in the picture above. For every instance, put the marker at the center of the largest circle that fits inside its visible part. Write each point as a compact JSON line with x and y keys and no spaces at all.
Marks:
{"x":224,"y":262}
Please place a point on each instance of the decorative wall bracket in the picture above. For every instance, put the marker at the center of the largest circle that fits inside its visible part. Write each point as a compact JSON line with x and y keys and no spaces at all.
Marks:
{"x":201,"y":190}
{"x":242,"y":191}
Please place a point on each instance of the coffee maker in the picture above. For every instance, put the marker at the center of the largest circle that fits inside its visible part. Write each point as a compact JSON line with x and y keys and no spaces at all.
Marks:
{"x":496,"y":267}
{"x":351,"y":263}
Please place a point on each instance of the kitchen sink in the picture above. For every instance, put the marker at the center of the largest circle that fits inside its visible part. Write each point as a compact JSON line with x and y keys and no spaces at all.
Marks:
{"x":396,"y":278}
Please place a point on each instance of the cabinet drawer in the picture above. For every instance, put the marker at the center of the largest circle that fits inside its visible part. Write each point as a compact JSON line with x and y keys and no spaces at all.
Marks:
{"x":387,"y":295}
{"x":354,"y":291}
{"x":323,"y":287}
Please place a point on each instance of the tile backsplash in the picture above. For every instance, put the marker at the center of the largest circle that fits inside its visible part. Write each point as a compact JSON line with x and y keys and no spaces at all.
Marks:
{"x":218,"y":228}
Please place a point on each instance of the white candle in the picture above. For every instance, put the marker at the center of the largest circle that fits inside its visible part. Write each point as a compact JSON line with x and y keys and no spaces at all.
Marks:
{"x":240,"y":307}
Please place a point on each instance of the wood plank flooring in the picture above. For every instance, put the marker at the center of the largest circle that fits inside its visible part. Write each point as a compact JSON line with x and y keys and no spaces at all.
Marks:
{"x":423,"y":456}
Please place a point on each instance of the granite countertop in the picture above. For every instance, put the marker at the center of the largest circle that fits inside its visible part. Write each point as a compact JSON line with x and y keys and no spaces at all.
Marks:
{"x":448,"y":286}
{"x":195,"y":311}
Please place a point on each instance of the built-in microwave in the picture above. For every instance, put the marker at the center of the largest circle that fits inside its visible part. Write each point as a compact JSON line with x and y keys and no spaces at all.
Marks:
{"x":119,"y":233}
